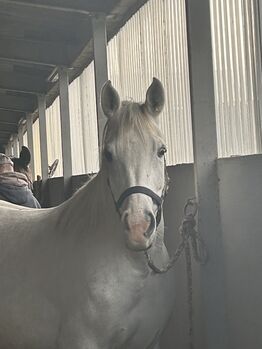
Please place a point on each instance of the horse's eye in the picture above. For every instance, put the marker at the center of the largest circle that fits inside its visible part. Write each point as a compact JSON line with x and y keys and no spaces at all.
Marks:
{"x":162,"y":151}
{"x":108,"y":155}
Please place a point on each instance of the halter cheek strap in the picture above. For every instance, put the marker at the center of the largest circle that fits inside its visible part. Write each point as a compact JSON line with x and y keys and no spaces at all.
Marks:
{"x":158,"y":200}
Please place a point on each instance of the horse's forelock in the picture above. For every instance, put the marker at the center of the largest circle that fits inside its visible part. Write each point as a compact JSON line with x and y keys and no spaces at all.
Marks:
{"x":131,"y":116}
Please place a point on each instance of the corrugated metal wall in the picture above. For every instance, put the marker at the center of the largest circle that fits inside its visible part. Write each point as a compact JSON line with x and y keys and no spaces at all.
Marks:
{"x":153,"y":43}
{"x":84,"y":141}
{"x":237,"y":75}
{"x":84,"y":137}
{"x":53,"y":130}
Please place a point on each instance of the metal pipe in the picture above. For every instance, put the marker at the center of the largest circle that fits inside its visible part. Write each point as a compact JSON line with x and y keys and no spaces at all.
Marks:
{"x":47,"y":7}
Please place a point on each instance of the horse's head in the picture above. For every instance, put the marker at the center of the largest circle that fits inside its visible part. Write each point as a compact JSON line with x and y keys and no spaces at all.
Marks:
{"x":21,"y":164}
{"x":133,"y":158}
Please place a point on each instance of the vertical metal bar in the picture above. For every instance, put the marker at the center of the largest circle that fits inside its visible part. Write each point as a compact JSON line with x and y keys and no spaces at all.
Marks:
{"x":15,"y":145}
{"x":7,"y":149}
{"x":20,"y":137}
{"x":43,"y":138}
{"x":101,"y":72}
{"x":257,"y":74}
{"x":84,"y":112}
{"x":29,"y":128}
{"x":205,"y":167}
{"x":65,"y":130}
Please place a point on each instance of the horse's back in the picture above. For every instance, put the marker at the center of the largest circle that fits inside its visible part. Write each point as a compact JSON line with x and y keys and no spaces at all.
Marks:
{"x":19,"y":222}
{"x":6,"y":204}
{"x":27,"y":315}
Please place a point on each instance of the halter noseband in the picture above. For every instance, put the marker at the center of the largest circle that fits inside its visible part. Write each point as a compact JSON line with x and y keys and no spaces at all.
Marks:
{"x":142,"y":190}
{"x":158,"y":200}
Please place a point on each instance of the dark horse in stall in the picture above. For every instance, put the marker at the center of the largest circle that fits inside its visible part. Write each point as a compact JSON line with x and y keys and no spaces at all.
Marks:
{"x":76,"y":276}
{"x":21,"y":165}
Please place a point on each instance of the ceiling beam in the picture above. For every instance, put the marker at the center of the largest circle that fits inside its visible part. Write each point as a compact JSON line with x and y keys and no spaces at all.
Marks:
{"x":8,"y":123}
{"x":8,"y":129}
{"x":17,"y":103}
{"x":23,"y":83}
{"x":35,"y":52}
{"x":52,"y":7}
{"x":4,"y":140}
{"x":6,"y":132}
{"x":10,"y":116}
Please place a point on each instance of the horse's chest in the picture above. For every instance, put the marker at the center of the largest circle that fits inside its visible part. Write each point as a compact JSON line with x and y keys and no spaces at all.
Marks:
{"x":131,"y":314}
{"x":149,"y":316}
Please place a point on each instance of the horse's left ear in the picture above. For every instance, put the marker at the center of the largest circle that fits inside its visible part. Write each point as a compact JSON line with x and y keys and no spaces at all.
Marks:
{"x":110,"y":100}
{"x":155,"y":98}
{"x":25,"y":156}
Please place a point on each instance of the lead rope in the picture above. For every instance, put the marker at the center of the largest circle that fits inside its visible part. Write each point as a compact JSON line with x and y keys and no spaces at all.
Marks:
{"x":191,"y":239}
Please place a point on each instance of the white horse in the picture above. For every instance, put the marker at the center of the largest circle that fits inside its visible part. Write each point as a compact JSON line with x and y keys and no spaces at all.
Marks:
{"x":76,"y":276}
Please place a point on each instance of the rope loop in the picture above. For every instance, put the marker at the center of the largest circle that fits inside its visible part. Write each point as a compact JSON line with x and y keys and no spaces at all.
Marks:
{"x":190,"y":239}
{"x":189,"y":233}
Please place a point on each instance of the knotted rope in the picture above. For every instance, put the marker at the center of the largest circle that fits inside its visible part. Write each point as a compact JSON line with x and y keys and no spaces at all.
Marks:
{"x":190,"y":239}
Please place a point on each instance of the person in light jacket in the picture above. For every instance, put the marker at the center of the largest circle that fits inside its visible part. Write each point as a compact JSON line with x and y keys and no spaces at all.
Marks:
{"x":14,"y":186}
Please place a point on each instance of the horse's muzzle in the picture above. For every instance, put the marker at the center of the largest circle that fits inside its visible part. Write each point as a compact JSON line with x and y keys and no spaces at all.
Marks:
{"x":139,"y":229}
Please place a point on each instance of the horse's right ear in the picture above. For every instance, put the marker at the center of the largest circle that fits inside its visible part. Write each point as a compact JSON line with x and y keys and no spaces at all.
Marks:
{"x":25,"y":156}
{"x":110,"y":101}
{"x":155,"y":98}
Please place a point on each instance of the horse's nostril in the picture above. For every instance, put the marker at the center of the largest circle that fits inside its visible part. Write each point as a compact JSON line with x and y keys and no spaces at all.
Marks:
{"x":125,"y":220}
{"x":150,"y":218}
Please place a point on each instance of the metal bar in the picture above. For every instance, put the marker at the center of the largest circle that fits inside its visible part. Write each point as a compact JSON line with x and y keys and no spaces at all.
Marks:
{"x":25,"y":61}
{"x":49,"y":54}
{"x":205,"y":168}
{"x":13,"y":109}
{"x":29,"y":128}
{"x":43,"y":138}
{"x":20,"y":137}
{"x":257,"y":74}
{"x":15,"y":145}
{"x":46,"y":7}
{"x":101,"y":72}
{"x":21,"y":82}
{"x":8,"y":149}
{"x":4,"y":132}
{"x":17,"y":103}
{"x":65,"y":129}
{"x":7,"y":123}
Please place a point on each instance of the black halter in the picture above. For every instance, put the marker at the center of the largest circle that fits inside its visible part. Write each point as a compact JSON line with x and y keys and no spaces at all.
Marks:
{"x":158,"y":200}
{"x":142,"y":190}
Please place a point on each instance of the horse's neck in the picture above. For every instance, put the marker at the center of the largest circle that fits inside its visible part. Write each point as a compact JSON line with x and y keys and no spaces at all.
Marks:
{"x":92,"y":206}
{"x":91,"y":212}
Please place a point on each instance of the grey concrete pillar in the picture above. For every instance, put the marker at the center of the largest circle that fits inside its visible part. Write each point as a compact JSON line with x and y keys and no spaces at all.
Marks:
{"x":43,"y":136}
{"x":257,"y":85}
{"x":205,"y":167}
{"x":65,"y":129}
{"x":101,"y":73}
{"x":8,"y":149}
{"x":20,"y":137}
{"x":15,"y":145}
{"x":29,"y":127}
